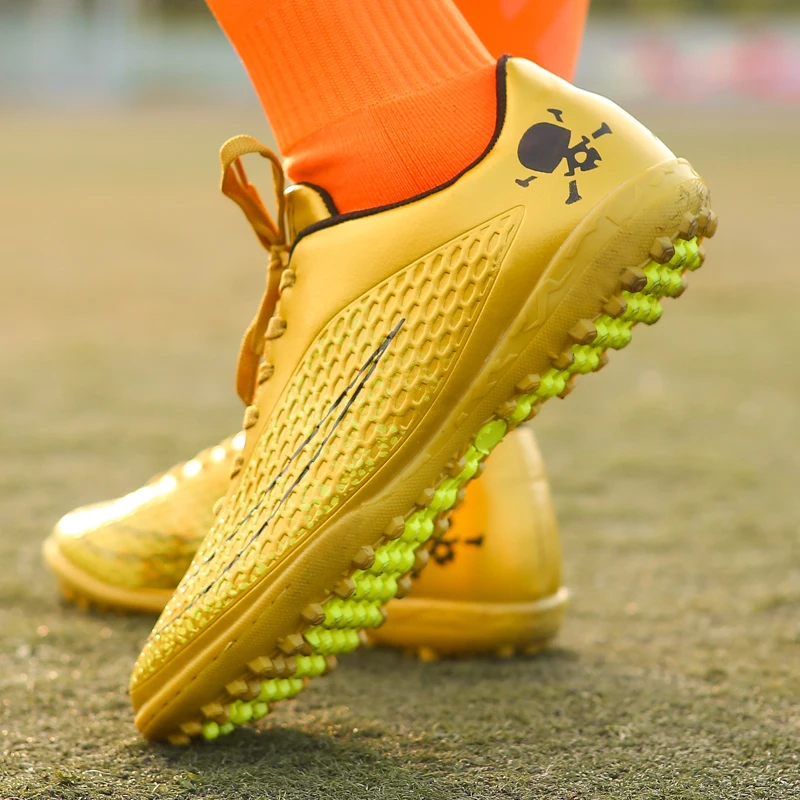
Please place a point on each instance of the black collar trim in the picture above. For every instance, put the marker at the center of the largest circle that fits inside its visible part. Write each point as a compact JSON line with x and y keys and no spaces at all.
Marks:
{"x":336,"y":218}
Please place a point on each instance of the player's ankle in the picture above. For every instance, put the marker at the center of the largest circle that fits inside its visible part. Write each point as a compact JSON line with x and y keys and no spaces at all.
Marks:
{"x":408,"y":146}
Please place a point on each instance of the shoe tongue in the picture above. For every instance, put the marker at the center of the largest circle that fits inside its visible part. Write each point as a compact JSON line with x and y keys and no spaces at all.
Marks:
{"x":305,"y":205}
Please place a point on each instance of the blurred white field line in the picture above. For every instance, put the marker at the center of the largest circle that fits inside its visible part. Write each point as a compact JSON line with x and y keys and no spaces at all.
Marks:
{"x":55,"y":53}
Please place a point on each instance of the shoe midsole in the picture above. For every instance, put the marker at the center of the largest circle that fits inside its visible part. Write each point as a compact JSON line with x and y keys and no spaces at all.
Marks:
{"x":453,"y":626}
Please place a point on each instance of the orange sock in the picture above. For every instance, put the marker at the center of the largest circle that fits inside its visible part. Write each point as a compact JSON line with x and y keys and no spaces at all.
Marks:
{"x":548,"y":33}
{"x":376,"y":100}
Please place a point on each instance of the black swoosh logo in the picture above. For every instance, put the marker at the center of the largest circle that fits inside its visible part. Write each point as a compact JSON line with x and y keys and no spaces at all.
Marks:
{"x":346,"y":399}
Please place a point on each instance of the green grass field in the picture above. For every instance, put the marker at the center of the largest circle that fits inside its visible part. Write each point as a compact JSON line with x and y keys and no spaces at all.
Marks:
{"x":127,"y":281}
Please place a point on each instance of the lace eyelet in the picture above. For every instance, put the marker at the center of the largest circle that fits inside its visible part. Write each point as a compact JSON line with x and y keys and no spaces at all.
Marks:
{"x":250,"y":417}
{"x":238,"y":463}
{"x":265,"y":372}
{"x":275,"y":328}
{"x":288,"y":278}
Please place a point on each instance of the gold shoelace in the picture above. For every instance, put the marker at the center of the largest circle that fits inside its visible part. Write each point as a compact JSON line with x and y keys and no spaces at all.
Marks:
{"x":267,"y":323}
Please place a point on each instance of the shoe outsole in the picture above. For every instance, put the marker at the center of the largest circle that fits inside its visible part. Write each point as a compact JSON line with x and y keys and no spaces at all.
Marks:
{"x":430,"y":628}
{"x":337,"y":625}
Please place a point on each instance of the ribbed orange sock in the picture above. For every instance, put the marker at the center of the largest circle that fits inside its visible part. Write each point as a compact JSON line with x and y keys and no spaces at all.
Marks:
{"x":375,"y":100}
{"x":547,"y":32}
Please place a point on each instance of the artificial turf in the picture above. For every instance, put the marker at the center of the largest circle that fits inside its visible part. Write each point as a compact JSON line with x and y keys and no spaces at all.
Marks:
{"x":127,"y":281}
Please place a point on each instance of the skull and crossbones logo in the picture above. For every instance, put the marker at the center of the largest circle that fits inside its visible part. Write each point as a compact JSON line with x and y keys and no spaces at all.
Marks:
{"x":444,"y":550}
{"x":545,"y":145}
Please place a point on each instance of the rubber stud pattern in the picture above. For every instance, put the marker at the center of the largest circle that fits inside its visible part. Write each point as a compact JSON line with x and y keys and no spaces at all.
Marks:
{"x":368,"y":589}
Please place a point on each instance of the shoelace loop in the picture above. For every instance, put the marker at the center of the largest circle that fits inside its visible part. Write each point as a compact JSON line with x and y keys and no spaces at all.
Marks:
{"x":267,"y":323}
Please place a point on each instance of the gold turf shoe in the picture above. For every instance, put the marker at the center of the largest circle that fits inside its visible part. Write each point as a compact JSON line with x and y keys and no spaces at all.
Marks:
{"x":129,"y":554}
{"x":393,"y":350}
{"x":493,"y":583}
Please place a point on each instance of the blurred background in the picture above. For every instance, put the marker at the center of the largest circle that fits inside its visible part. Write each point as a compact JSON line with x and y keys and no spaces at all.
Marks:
{"x":126,"y":281}
{"x":121,"y":52}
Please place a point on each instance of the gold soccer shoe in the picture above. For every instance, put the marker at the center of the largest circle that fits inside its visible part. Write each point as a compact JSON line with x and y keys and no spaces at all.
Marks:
{"x":129,"y":554}
{"x":393,"y":350}
{"x":493,"y":584}
{"x":493,"y":580}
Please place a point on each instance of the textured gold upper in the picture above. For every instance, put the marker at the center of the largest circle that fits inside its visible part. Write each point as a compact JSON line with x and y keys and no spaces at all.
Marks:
{"x":431,"y":305}
{"x":146,"y":539}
